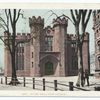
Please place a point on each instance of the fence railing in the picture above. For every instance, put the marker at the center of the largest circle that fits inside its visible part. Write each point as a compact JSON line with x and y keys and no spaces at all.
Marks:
{"x":45,"y":84}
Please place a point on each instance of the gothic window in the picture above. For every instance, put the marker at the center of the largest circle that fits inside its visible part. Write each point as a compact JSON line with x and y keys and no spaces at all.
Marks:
{"x":32,"y":54}
{"x":74,"y":55}
{"x":73,"y":46}
{"x":32,"y":64}
{"x":20,"y":57}
{"x":99,"y":60}
{"x":97,"y":35}
{"x":48,"y":43}
{"x":98,"y":16}
{"x":97,"y":31}
{"x":99,"y":45}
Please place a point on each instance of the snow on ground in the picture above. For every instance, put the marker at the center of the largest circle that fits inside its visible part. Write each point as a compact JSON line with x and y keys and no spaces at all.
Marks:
{"x":49,"y":83}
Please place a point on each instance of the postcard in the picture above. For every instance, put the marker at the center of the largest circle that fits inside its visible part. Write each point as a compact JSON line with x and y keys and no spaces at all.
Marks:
{"x":49,"y":49}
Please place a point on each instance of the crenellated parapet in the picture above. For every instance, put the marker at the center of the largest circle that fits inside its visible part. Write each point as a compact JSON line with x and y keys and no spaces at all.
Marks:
{"x":36,"y":21}
{"x":71,"y":36}
{"x":18,"y":35}
{"x":23,"y":36}
{"x":74,"y":36}
{"x":60,"y":21}
{"x":96,"y":17}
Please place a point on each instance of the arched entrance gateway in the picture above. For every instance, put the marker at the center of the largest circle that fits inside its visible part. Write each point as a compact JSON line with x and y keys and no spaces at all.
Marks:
{"x":49,"y":68}
{"x":49,"y":65}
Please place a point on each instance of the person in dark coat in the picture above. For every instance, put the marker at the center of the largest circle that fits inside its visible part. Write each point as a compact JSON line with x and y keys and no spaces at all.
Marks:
{"x":87,"y":76}
{"x":83,"y":78}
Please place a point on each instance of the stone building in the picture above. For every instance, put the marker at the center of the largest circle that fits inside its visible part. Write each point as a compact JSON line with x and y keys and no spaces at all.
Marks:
{"x":51,"y":51}
{"x":96,"y":28}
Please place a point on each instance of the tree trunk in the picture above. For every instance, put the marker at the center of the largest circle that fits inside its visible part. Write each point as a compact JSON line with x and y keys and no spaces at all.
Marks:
{"x":79,"y":69}
{"x":81,"y":63}
{"x":14,"y":80}
{"x":80,"y":60}
{"x":80,"y":80}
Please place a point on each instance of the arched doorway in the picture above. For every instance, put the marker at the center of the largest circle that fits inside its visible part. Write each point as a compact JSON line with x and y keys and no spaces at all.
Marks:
{"x":49,"y":68}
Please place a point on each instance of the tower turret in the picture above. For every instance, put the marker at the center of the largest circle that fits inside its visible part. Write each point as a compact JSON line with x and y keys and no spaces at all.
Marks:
{"x":36,"y":29}
{"x":60,"y":29}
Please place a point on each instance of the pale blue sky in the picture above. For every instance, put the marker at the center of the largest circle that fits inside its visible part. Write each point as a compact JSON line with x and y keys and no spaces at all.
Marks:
{"x":23,"y":26}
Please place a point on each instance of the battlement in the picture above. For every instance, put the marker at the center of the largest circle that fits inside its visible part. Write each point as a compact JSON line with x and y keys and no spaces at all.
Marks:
{"x":23,"y":35}
{"x":71,"y":36}
{"x":19,"y":35}
{"x":96,"y":17}
{"x":74,"y":36}
{"x":34,"y":21}
{"x":60,"y":21}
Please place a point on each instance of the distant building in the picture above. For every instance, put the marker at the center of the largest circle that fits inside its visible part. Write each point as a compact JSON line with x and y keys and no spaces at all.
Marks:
{"x":52,"y":51}
{"x":96,"y":28}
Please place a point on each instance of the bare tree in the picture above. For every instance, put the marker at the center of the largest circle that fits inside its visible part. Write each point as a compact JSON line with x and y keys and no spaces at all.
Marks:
{"x":80,"y":16}
{"x":12,"y":17}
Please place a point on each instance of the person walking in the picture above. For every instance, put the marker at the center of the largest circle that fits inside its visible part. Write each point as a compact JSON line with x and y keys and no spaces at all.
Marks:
{"x":83,"y":78}
{"x":87,"y":77}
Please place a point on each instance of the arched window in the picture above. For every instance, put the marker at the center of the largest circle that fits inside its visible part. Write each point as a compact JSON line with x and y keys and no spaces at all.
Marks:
{"x":48,"y":43}
{"x":20,"y":57}
{"x":99,"y":45}
{"x":97,"y":31}
{"x":99,"y":60}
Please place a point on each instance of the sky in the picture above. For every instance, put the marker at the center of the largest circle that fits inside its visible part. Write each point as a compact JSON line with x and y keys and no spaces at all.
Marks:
{"x":23,"y":25}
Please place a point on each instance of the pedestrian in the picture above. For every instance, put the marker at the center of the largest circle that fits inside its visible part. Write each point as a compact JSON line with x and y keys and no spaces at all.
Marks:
{"x":83,"y":78}
{"x":87,"y":76}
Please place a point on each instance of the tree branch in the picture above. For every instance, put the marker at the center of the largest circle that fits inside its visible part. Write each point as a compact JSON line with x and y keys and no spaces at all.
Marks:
{"x":76,"y":12}
{"x":10,"y":17}
{"x":54,"y":13}
{"x":79,"y":17}
{"x":14,"y":17}
{"x":73,"y":17}
{"x":18,"y":15}
{"x":7,"y":44}
{"x":3,"y":21}
{"x":7,"y":16}
{"x":88,"y":17}
{"x":68,"y":18}
{"x":1,"y":25}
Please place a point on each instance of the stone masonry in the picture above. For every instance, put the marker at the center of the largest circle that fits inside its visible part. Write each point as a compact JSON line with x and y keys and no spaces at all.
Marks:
{"x":50,"y":52}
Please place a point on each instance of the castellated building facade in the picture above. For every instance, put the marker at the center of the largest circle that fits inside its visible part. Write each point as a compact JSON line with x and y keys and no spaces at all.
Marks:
{"x":96,"y":28}
{"x":51,"y":51}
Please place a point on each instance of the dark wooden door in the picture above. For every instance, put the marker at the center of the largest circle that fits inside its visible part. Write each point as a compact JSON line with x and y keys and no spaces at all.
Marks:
{"x":49,"y":68}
